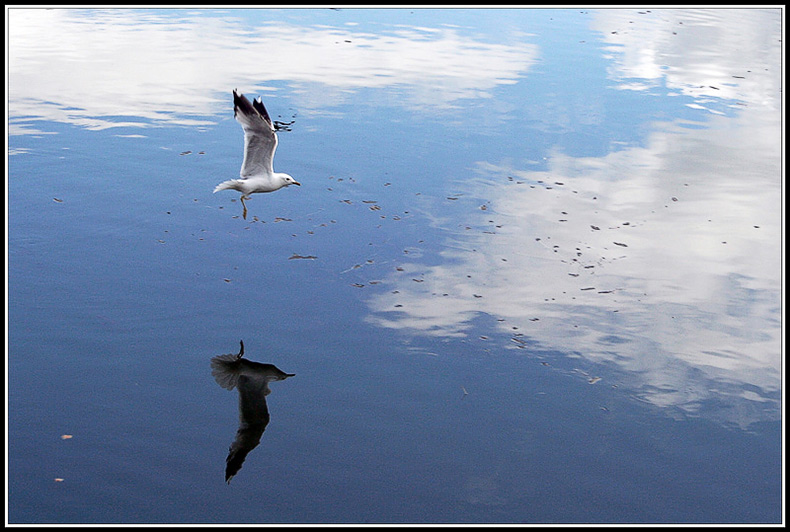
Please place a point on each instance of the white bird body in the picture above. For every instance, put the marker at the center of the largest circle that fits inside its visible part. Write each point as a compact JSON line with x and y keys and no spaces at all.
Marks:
{"x":260,"y":141}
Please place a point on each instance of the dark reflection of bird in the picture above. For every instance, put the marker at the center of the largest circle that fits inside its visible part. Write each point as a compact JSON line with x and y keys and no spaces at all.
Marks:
{"x":251,"y":379}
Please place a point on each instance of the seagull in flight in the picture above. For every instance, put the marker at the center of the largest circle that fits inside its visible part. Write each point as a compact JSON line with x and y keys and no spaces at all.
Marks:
{"x":260,"y":141}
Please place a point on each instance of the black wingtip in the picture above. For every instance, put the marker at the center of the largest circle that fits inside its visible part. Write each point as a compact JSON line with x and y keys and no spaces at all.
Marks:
{"x":241,"y":102}
{"x":257,"y":104}
{"x":236,"y":101}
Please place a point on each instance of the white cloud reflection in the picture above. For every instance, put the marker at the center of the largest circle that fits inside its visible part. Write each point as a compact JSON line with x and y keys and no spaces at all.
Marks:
{"x":663,"y":261}
{"x":100,"y":69}
{"x":708,"y":54}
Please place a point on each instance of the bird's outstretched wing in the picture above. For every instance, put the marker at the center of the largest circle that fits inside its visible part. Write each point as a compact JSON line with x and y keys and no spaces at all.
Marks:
{"x":253,"y":418}
{"x":260,"y":139}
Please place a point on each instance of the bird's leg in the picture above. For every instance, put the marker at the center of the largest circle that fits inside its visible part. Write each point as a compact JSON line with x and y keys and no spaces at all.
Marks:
{"x":244,"y":213}
{"x":241,"y":351}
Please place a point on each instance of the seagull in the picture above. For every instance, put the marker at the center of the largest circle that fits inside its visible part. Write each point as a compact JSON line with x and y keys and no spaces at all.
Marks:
{"x":260,"y":141}
{"x":251,"y":379}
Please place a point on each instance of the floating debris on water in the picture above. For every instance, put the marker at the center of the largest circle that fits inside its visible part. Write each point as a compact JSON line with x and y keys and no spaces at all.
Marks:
{"x":297,"y":256}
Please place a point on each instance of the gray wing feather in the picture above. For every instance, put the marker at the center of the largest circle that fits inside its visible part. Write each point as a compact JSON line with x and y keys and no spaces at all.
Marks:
{"x":260,"y":139}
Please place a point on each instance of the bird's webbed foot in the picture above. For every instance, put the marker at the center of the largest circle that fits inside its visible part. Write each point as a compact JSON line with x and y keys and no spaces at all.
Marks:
{"x":244,"y":212}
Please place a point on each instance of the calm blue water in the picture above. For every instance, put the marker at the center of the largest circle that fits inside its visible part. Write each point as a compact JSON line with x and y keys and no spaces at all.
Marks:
{"x":532,"y":275}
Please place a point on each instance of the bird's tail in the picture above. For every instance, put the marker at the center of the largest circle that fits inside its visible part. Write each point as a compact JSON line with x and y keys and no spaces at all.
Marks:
{"x":231,"y":184}
{"x":226,"y":370}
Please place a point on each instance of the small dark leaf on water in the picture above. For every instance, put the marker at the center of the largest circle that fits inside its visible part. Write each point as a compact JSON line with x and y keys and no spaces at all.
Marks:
{"x":58,"y":200}
{"x":595,"y":228}
{"x":297,"y":256}
{"x":620,"y":244}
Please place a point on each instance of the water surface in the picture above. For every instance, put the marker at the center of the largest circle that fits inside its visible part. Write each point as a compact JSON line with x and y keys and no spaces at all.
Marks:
{"x":532,"y":275}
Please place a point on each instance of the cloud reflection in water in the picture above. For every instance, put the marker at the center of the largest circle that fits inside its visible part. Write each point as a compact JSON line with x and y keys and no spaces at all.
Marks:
{"x":110,"y":68}
{"x":715,"y":56}
{"x":661,"y":260}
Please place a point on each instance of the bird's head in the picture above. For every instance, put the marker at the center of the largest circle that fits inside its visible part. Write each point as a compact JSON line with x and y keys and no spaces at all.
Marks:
{"x":288,"y":180}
